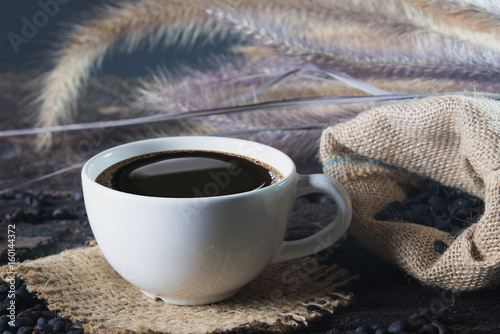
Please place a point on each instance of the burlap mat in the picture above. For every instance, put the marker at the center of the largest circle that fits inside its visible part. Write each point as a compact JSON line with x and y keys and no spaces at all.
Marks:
{"x":454,"y":140}
{"x":83,"y":286}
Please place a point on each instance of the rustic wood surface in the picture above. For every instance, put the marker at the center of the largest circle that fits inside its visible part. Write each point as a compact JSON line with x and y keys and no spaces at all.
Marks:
{"x":50,"y":216}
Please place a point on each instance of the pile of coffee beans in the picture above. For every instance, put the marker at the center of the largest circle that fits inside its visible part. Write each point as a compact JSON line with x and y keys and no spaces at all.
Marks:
{"x":45,"y":223}
{"x":33,"y":208}
{"x":437,"y":206}
{"x":36,"y":214}
{"x":434,"y":205}
{"x":30,"y":315}
{"x":423,"y":323}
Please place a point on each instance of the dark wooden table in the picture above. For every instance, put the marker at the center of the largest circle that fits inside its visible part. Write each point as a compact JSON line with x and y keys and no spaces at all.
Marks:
{"x":51,"y":217}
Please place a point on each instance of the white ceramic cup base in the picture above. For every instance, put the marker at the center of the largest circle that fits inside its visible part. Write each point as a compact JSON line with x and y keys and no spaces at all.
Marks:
{"x":194,"y":301}
{"x":201,"y":250}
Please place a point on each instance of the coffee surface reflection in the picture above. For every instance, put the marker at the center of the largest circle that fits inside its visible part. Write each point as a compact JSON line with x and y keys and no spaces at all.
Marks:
{"x":188,"y":173}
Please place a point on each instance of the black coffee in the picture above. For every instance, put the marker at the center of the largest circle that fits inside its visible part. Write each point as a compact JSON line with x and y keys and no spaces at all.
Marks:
{"x":188,"y":173}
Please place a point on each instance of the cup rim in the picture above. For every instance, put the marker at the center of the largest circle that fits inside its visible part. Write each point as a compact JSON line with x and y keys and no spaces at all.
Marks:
{"x":107,"y":152}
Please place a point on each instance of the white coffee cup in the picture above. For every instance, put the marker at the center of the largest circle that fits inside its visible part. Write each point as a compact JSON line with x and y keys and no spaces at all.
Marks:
{"x":190,"y":251}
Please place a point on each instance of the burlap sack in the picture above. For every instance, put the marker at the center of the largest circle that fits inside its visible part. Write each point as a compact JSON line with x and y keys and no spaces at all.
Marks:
{"x":454,"y":140}
{"x":82,"y":285}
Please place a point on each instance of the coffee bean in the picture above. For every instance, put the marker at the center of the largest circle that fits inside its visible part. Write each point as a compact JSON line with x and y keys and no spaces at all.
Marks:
{"x":434,"y":188}
{"x":30,"y":313}
{"x":463,"y":213}
{"x":16,"y":216}
{"x":475,"y":218}
{"x":436,"y":201}
{"x":397,"y":206}
{"x":40,"y":307}
{"x":4,"y":290}
{"x":399,"y":326}
{"x":18,"y":195}
{"x":457,"y":221}
{"x":78,"y":195}
{"x":62,"y":213}
{"x":28,"y":199}
{"x":381,"y":331}
{"x":42,"y":198}
{"x":49,"y":331}
{"x":42,"y":324}
{"x":442,"y":224}
{"x":54,"y":320}
{"x":463,"y":202}
{"x":429,"y":329}
{"x":24,"y":296}
{"x":35,"y":212}
{"x":59,"y":326}
{"x":455,"y":231}
{"x":25,"y":330}
{"x":48,"y":314}
{"x":384,"y":215}
{"x":413,"y":200}
{"x":43,"y":327}
{"x":75,"y":331}
{"x":3,"y":321}
{"x":408,"y":215}
{"x":4,"y":305}
{"x":325,"y":200}
{"x":440,"y":246}
{"x":76,"y":326}
{"x":10,"y":194}
{"x":24,"y":322}
{"x":420,"y":209}
{"x":363,"y":330}
{"x":81,"y":214}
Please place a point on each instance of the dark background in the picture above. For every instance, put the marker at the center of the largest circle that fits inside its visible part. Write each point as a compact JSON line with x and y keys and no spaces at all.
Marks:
{"x":34,"y":46}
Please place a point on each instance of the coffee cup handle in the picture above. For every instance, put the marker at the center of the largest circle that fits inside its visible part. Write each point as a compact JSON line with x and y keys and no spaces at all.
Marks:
{"x":319,"y":183}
